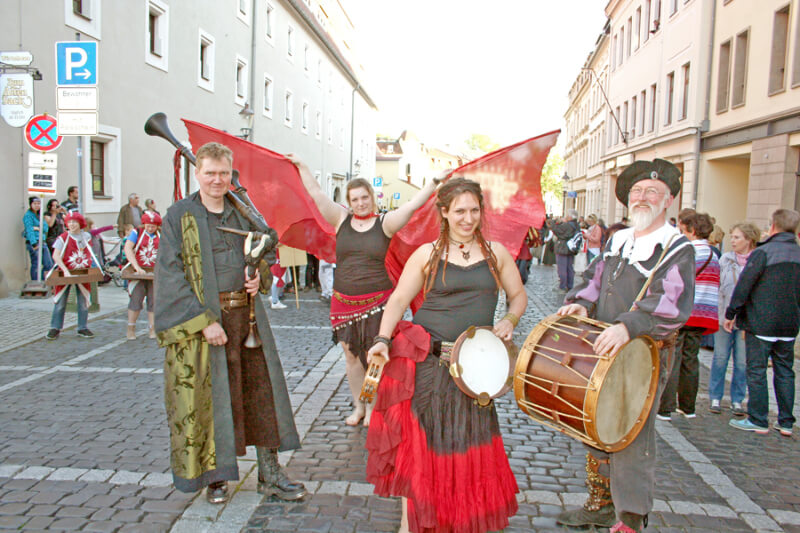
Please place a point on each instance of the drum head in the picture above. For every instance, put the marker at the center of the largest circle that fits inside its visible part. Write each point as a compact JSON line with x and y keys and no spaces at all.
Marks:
{"x":625,"y":391}
{"x":485,"y":363}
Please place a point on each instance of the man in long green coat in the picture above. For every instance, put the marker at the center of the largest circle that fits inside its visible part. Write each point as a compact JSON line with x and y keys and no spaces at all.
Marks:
{"x":220,"y":395}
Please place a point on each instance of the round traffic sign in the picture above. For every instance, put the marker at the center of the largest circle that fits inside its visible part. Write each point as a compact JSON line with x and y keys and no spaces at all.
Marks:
{"x":41,"y":133}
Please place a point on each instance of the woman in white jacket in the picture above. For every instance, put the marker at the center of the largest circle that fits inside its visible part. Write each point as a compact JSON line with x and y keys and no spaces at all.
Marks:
{"x":744,"y":237}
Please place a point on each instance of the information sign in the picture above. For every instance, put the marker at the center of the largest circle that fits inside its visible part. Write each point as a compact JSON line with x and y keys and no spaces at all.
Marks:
{"x":42,"y":181}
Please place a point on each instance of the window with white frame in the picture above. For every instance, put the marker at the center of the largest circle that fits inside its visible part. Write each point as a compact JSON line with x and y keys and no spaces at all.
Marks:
{"x":643,"y":114}
{"x":306,"y":60}
{"x":267,"y":95}
{"x":633,"y":117}
{"x":288,"y":102}
{"x":102,"y":170}
{"x":651,"y":125}
{"x":318,"y":132}
{"x":304,"y":118}
{"x":319,"y":71}
{"x":630,"y":37}
{"x":646,"y":21}
{"x":243,"y":11}
{"x":84,"y":16}
{"x":290,"y":42}
{"x":269,"y":23}
{"x":723,"y":76}
{"x":330,"y":131}
{"x":241,"y":80}
{"x":739,"y":87}
{"x":205,"y":60}
{"x":670,"y":98}
{"x":638,"y":27}
{"x":684,"y":111}
{"x":157,"y":34}
{"x":780,"y":37}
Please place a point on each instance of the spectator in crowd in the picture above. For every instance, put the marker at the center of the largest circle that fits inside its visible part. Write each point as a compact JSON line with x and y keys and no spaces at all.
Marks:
{"x":97,"y":240}
{"x":715,"y":241}
{"x":548,"y":245}
{"x":766,"y":305}
{"x":326,"y":280}
{"x":54,"y":217}
{"x":744,"y":238}
{"x":612,"y":229}
{"x":594,"y":238}
{"x":625,"y":221}
{"x":71,"y":203}
{"x":685,"y":376}
{"x":33,"y":238}
{"x":565,"y":258}
{"x":524,"y":257}
{"x":673,"y":222}
{"x":130,"y":215}
{"x":150,"y":205}
{"x":312,"y":272}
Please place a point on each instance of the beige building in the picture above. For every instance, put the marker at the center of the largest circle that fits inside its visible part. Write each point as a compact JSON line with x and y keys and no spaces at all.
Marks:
{"x":587,"y":184}
{"x":751,"y":152}
{"x":406,"y":164}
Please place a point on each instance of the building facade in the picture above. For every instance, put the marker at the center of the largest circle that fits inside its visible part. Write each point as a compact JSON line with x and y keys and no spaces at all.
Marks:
{"x":282,"y":73}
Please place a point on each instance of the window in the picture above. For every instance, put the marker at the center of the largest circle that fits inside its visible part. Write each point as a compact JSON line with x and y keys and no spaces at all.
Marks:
{"x":630,"y":37}
{"x":304,"y":124}
{"x":305,"y":58}
{"x":633,"y":118}
{"x":288,"y":101}
{"x":84,"y":16}
{"x":646,"y":21}
{"x":290,"y":42}
{"x":777,"y":64}
{"x":684,"y":112}
{"x":638,"y":23}
{"x":624,"y":121}
{"x":796,"y":61}
{"x":319,"y":72}
{"x":243,"y":10}
{"x":724,"y":76}
{"x":269,"y":23}
{"x":656,"y":15}
{"x":740,"y":69}
{"x":330,"y":131}
{"x":651,"y":125}
{"x":614,"y":47}
{"x":643,"y":114}
{"x":670,"y":98}
{"x":268,"y":89}
{"x":616,"y":128}
{"x":241,"y":80}
{"x":97,"y":167}
{"x":673,"y":7}
{"x":621,"y":45}
{"x":157,"y":48}
{"x":205,"y":66}
{"x":318,"y":132}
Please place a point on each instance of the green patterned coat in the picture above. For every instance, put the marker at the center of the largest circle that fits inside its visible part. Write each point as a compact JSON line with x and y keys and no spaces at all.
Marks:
{"x":196,"y":391}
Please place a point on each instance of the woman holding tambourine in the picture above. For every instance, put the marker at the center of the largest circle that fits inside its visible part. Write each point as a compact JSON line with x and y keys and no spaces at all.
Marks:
{"x":428,"y":442}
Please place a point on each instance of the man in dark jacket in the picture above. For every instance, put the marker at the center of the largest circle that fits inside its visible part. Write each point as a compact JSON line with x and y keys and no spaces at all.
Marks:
{"x":766,"y":305}
{"x":565,"y":259}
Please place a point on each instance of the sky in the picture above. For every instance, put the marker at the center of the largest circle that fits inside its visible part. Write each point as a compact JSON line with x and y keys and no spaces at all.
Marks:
{"x":447,"y":68}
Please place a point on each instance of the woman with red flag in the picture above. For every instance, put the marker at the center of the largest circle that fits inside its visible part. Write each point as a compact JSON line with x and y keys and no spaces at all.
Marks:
{"x":361,"y":285}
{"x":429,"y":442}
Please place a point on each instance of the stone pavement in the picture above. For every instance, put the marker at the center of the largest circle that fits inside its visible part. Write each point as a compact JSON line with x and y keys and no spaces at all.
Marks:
{"x":85,"y":446}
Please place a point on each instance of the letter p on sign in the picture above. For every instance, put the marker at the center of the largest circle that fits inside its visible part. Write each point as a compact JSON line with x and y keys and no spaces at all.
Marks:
{"x":76,"y":63}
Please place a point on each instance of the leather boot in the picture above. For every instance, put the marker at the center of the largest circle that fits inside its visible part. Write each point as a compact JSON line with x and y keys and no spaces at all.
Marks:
{"x":598,"y":510}
{"x":217,"y":492}
{"x":272,"y":480}
{"x":131,"y":332}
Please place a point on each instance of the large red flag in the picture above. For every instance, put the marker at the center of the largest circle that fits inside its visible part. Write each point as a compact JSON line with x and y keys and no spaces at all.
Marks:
{"x":274,"y":185}
{"x":511,"y":181}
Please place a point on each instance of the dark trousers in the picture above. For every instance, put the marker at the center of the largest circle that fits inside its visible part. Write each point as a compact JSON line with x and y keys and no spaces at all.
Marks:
{"x":524,"y":266}
{"x":685,"y":376}
{"x":312,"y":271}
{"x":782,"y":354}
{"x":47,"y":261}
{"x":566,"y":271}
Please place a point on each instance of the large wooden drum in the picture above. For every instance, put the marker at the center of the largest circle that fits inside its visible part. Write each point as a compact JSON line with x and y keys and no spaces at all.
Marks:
{"x":600,"y":400}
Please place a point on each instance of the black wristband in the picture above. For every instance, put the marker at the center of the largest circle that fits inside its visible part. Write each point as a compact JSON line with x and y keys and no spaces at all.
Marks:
{"x":385,"y":340}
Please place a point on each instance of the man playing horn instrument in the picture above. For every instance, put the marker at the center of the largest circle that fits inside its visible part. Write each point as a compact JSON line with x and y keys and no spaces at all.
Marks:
{"x":643,"y":284}
{"x":220,"y":395}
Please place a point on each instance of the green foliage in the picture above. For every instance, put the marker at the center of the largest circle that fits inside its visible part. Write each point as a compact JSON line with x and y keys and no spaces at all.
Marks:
{"x":481,"y":142}
{"x":551,"y":174}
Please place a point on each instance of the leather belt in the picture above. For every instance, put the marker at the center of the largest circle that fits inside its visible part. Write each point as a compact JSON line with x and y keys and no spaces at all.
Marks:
{"x":667,"y":342}
{"x":442,"y":349}
{"x":232,"y":300}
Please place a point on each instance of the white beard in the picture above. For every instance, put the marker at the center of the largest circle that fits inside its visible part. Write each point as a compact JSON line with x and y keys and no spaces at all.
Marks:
{"x":642,"y":219}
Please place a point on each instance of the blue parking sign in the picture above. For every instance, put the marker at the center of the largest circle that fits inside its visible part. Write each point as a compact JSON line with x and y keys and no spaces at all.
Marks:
{"x":396,"y":196}
{"x":377,"y":181}
{"x":76,"y":63}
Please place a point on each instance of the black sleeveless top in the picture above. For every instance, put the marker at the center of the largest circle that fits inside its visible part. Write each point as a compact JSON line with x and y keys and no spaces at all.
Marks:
{"x":468,"y":299}
{"x":360,"y":257}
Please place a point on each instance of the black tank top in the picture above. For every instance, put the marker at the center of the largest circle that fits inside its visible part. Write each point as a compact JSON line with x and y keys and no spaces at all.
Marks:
{"x":468,"y":299}
{"x":360,"y":257}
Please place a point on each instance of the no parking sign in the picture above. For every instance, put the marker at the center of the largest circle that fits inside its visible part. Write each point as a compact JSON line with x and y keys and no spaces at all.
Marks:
{"x":41,"y":133}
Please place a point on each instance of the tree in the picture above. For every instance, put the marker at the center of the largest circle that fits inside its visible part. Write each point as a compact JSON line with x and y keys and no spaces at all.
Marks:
{"x":552,"y":186}
{"x":481,"y":142}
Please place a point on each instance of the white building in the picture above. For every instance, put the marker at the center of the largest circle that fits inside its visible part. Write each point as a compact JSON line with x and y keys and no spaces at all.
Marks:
{"x":282,"y":72}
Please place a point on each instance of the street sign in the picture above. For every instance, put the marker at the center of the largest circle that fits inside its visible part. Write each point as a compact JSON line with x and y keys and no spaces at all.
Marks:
{"x":40,"y":160}
{"x":76,"y":98}
{"x":76,"y":63}
{"x":42,"y":181}
{"x":16,"y":58}
{"x":396,"y":196}
{"x":16,"y":98}
{"x":377,"y":182}
{"x":77,"y":123}
{"x":41,"y":133}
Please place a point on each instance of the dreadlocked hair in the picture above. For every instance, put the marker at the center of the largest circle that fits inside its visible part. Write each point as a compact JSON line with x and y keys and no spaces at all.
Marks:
{"x":448,"y":192}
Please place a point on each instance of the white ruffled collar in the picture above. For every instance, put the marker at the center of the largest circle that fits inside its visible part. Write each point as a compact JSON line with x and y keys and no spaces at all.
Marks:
{"x":640,"y":249}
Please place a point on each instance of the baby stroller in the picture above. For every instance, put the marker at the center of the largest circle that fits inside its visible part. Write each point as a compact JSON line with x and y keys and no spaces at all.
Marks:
{"x":113,"y":260}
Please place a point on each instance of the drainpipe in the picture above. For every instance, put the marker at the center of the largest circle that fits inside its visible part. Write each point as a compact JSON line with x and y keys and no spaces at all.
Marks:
{"x":704,"y":125}
{"x":352,"y":124}
{"x":252,"y":123}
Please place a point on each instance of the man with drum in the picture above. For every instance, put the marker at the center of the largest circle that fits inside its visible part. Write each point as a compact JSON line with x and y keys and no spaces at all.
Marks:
{"x":641,"y":284}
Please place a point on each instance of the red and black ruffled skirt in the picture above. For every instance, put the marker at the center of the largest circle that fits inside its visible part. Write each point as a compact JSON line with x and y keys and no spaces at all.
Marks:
{"x":355,"y":320}
{"x":432,"y":444}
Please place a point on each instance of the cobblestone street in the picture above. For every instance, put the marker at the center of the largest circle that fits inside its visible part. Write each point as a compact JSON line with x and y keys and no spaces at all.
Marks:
{"x":84,"y":445}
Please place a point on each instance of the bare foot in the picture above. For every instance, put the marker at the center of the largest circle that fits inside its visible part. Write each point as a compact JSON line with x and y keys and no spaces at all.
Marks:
{"x":356,"y":416}
{"x":368,"y":415}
